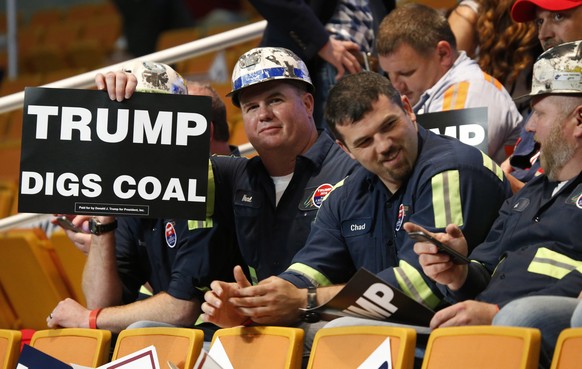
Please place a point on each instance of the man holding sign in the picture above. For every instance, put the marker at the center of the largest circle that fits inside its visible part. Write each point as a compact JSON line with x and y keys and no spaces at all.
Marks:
{"x":165,"y":253}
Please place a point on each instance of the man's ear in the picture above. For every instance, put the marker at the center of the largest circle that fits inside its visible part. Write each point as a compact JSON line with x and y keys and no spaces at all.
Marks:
{"x":578,"y":117}
{"x":407,"y":107}
{"x":446,"y":54}
{"x":345,"y":148}
{"x":309,"y":102}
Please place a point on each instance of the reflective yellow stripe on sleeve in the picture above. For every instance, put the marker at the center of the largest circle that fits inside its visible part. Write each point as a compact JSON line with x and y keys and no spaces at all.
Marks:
{"x":411,"y":282}
{"x":492,"y":166}
{"x":553,"y":264}
{"x":493,"y":80}
{"x":253,"y":274}
{"x":446,"y":199}
{"x":455,"y":96}
{"x":315,"y":276}
{"x":210,"y":198}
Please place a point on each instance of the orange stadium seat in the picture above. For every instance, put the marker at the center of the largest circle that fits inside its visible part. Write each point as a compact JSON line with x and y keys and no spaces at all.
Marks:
{"x":82,"y":346}
{"x":31,"y":276}
{"x":262,"y":347}
{"x":349,"y":347}
{"x":482,"y":347}
{"x":9,"y":348}
{"x":568,"y":353}
{"x":181,"y":346}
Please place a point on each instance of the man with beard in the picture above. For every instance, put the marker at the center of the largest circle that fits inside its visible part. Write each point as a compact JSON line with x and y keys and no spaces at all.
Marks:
{"x":533,"y":247}
{"x":558,"y":21}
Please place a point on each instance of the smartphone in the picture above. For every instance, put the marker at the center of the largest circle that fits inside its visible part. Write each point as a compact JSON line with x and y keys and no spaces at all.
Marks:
{"x":66,"y":223}
{"x":456,"y":257}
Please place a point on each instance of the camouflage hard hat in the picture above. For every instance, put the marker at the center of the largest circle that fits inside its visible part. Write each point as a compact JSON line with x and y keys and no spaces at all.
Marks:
{"x":156,"y":78}
{"x":264,"y":64}
{"x":558,"y":71}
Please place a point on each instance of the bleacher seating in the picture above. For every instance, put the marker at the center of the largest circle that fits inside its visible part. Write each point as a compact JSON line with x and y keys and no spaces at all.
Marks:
{"x":9,"y":348}
{"x":262,"y":347}
{"x":32,"y":276}
{"x":82,"y":346}
{"x":181,"y":346}
{"x":349,"y":347}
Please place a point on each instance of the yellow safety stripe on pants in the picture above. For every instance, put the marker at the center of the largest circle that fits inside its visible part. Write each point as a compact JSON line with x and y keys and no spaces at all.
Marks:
{"x":313,"y":275}
{"x":446,"y":199}
{"x":553,"y":264}
{"x":411,"y":282}
{"x":492,"y":166}
{"x":206,"y":223}
{"x":456,"y":96}
{"x":253,"y":273}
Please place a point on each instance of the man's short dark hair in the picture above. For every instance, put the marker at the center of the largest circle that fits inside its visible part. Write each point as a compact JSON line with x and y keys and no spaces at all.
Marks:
{"x":419,"y":26}
{"x":352,"y":97}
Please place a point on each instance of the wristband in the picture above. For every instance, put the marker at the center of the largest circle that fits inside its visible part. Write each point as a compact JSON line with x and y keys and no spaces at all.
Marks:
{"x":93,"y":318}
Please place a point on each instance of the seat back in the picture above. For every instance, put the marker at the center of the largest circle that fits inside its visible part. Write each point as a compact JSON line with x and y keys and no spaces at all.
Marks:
{"x":568,"y":352}
{"x":181,"y":346}
{"x":9,"y":348}
{"x":349,"y":347}
{"x":31,"y":276}
{"x":262,"y":347}
{"x":482,"y":347}
{"x":83,"y":346}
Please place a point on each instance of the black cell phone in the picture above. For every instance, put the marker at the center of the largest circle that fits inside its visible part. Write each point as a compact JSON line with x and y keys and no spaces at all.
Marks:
{"x":66,"y":223}
{"x":456,"y":257}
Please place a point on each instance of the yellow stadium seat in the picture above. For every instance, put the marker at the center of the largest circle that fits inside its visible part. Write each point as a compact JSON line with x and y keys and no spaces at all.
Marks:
{"x":349,"y":347}
{"x":262,"y":347}
{"x":9,"y":348}
{"x":568,"y":351}
{"x":31,"y":276}
{"x":181,"y":346}
{"x":482,"y":347}
{"x":82,"y":346}
{"x":8,"y":317}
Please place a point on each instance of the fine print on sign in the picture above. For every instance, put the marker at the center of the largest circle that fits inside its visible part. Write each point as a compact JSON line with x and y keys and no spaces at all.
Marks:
{"x":85,"y":154}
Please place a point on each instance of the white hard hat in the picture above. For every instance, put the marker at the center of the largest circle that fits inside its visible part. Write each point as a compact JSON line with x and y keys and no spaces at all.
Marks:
{"x":156,"y":77}
{"x":264,"y":64}
{"x":558,"y":71}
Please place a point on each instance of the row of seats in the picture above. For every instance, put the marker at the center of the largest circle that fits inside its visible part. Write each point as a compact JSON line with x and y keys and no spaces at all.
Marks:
{"x":476,"y":347}
{"x":80,"y":36}
{"x":36,"y":272}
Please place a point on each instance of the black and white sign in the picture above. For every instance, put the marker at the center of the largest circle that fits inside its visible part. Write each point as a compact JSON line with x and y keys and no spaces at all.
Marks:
{"x":367,"y":296}
{"x":467,"y":125}
{"x":85,"y":154}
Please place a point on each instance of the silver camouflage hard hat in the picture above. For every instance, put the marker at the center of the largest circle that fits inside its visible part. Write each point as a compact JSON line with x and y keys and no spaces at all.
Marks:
{"x":264,"y":64}
{"x":558,"y":71}
{"x":156,"y":78}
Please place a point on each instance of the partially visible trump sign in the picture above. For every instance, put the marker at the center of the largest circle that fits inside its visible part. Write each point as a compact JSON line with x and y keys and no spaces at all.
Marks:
{"x":467,"y":125}
{"x":85,"y":154}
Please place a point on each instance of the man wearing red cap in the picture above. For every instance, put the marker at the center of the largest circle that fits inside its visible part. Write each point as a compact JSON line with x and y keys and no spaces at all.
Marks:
{"x":558,"y":21}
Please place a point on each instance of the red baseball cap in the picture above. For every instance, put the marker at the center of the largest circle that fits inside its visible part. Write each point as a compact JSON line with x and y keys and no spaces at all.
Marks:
{"x":525,"y":10}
